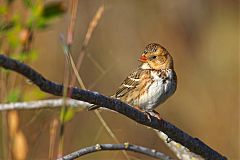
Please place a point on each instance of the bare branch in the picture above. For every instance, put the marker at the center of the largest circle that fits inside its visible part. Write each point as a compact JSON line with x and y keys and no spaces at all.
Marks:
{"x":180,"y":151}
{"x":92,"y":26}
{"x":113,"y":147}
{"x":193,"y":144}
{"x":51,"y":103}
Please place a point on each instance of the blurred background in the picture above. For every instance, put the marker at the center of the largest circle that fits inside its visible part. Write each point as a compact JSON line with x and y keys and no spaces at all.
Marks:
{"x":202,"y":36}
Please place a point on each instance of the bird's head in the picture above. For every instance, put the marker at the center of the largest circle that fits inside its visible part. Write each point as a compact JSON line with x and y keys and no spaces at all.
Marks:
{"x":156,"y":57}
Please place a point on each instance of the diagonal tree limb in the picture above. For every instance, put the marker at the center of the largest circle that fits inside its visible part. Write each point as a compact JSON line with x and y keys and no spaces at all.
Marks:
{"x":193,"y":144}
{"x":113,"y":147}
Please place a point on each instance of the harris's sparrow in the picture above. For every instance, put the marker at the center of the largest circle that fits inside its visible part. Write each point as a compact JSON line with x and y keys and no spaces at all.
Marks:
{"x":152,"y":83}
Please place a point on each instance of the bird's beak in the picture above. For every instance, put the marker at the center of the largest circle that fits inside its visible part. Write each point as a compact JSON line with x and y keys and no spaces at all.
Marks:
{"x":143,"y":58}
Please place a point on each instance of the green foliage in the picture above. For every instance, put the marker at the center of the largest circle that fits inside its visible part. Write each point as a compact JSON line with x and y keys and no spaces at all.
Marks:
{"x":39,"y":15}
{"x":52,"y":10}
{"x":23,"y":56}
{"x":34,"y":16}
{"x":6,"y":26}
{"x":3,"y":9}
{"x":41,"y":23}
{"x":16,"y":31}
{"x":14,"y":95}
{"x":9,"y":1}
{"x":12,"y":36}
{"x":67,"y":115}
{"x":34,"y":93}
{"x":42,"y":14}
{"x":27,"y":3}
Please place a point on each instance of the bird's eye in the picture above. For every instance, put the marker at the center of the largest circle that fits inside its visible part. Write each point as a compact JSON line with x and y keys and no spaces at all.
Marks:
{"x":153,"y":57}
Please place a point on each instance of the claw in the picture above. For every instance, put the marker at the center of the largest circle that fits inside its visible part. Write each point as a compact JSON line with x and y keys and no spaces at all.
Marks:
{"x":148,"y":115}
{"x":145,"y":112}
{"x":157,"y":115}
{"x":154,"y":114}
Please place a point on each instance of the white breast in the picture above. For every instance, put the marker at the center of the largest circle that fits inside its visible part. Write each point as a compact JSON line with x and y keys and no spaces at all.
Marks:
{"x":158,"y":91}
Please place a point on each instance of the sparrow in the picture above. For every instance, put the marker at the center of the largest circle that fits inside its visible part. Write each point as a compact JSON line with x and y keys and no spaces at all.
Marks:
{"x":151,"y":84}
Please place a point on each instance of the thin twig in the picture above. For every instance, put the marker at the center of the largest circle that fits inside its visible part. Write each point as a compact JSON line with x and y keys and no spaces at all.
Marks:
{"x":52,"y":139}
{"x":74,"y":5}
{"x":66,"y":52}
{"x":113,"y":147}
{"x":91,"y":28}
{"x":193,"y":144}
{"x":51,"y":103}
{"x":96,"y":111}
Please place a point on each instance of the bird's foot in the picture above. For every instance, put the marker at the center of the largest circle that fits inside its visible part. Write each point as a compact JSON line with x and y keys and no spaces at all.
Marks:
{"x":156,"y":114}
{"x":149,"y":113}
{"x":145,"y":112}
{"x":152,"y":113}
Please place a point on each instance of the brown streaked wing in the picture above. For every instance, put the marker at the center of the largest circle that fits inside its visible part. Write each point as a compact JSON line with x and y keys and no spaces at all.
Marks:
{"x":129,"y":83}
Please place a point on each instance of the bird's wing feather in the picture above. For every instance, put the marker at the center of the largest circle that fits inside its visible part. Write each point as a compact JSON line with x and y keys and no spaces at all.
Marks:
{"x":131,"y":82}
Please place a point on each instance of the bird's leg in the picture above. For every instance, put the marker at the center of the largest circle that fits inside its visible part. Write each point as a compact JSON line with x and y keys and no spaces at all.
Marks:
{"x":148,"y":115}
{"x":145,"y":112}
{"x":156,"y":114}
